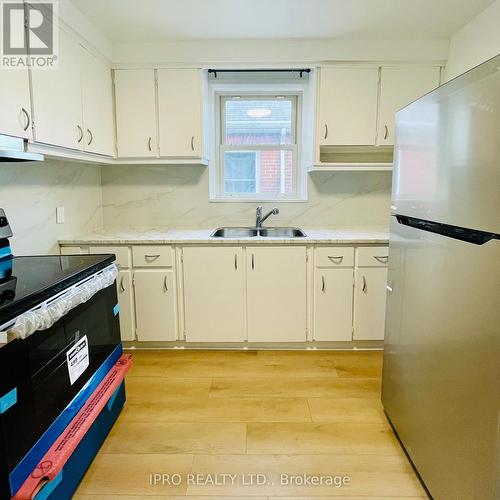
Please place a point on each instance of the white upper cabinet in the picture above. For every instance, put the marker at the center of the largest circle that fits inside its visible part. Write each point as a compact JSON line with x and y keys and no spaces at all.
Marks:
{"x":57,"y":98}
{"x":15,"y":116}
{"x":97,"y":97}
{"x":73,"y":104}
{"x":399,"y":87}
{"x":347,"y":106}
{"x":135,"y":113}
{"x":180,"y":112}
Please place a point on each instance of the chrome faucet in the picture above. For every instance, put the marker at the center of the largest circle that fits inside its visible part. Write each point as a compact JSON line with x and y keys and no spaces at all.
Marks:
{"x":258,"y":215}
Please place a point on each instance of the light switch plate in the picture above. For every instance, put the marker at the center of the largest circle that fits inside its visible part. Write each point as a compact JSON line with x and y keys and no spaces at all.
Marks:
{"x":60,"y":215}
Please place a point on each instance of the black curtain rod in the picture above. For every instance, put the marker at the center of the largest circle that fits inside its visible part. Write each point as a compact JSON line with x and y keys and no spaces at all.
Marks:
{"x":300,"y":71}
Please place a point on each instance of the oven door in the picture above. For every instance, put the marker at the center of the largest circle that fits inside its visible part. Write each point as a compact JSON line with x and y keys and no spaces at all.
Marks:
{"x":49,"y":368}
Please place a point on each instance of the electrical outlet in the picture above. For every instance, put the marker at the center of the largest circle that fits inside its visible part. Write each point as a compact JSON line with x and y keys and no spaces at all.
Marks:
{"x":60,"y":215}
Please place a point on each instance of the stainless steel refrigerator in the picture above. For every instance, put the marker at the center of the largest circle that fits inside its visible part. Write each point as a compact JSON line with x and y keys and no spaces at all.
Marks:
{"x":441,"y":379}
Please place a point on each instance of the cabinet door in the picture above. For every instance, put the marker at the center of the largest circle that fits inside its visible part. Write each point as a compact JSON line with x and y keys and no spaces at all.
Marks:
{"x":135,"y":112}
{"x":155,"y":309}
{"x":180,"y":112}
{"x":126,"y":303}
{"x":369,"y":303}
{"x":15,"y":118}
{"x":276,"y":294}
{"x":333,"y":295}
{"x":214,"y":306}
{"x":347,"y":106}
{"x":97,"y":99}
{"x":399,"y":87}
{"x":57,"y":98}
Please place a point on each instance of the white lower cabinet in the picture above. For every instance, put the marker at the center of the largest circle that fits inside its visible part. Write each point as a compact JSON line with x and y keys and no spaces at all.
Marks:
{"x":214,"y":294}
{"x":333,"y":296}
{"x":126,"y":303}
{"x":369,"y":303}
{"x":276,"y":294}
{"x":232,"y":294}
{"x":155,"y":305}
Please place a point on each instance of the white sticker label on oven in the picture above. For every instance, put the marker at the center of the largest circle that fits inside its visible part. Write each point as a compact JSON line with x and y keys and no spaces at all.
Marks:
{"x":78,"y":359}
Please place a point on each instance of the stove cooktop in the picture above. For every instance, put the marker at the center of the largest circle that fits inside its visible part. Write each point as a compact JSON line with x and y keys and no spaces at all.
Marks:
{"x":28,"y":281}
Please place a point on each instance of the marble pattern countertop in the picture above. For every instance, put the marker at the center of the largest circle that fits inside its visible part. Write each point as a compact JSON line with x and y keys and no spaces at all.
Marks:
{"x":202,"y":236}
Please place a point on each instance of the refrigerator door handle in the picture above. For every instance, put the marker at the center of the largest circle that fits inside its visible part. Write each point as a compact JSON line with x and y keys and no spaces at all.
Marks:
{"x":474,"y":236}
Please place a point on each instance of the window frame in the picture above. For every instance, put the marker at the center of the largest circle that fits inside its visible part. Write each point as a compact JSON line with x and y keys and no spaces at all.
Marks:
{"x":221,"y":97}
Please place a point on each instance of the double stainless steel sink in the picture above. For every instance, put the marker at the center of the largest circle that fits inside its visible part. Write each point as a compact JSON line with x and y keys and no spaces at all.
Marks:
{"x":266,"y":232}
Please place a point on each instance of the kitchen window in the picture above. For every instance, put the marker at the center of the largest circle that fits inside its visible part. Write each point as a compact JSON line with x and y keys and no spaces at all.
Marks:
{"x":257,"y":147}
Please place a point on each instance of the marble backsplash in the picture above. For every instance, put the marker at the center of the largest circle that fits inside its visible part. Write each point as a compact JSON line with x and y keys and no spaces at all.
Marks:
{"x":30,"y":193}
{"x":144,"y":197}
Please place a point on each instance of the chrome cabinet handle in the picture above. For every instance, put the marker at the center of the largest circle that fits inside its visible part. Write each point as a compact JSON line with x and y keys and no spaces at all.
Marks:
{"x":326,"y":130}
{"x":365,"y":288}
{"x":28,"y":121}
{"x":337,"y":259}
{"x":91,"y":137}
{"x":382,"y":258}
{"x":323,"y":284}
{"x":151,"y":257}
{"x":386,"y":132}
{"x":165,"y":284}
{"x":81,"y":133}
{"x":253,"y":262}
{"x":122,"y":286}
{"x":192,"y":143}
{"x":149,"y":144}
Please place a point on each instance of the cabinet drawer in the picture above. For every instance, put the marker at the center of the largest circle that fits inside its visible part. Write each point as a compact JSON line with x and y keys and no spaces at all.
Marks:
{"x":73,"y":250}
{"x":122,"y":254}
{"x":372,"y":256}
{"x":152,"y":256}
{"x":334,"y":256}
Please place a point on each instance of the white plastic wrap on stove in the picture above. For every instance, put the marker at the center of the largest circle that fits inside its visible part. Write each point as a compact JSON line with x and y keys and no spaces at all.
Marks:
{"x":45,"y":315}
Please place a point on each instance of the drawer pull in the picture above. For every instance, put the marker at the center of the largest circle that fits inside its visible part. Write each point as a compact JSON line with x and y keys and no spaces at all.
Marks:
{"x":235,"y":262}
{"x":323,"y":287}
{"x":152,"y":257}
{"x":336,"y":259}
{"x":253,"y":262}
{"x":365,"y":288}
{"x":382,"y":258}
{"x":165,"y":284}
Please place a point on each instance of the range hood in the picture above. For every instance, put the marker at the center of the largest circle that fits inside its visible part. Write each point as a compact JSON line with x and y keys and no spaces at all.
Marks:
{"x":13,"y":149}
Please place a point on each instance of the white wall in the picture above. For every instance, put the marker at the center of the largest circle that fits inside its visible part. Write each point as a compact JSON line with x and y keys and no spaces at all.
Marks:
{"x":476,"y":42}
{"x":139,"y":196}
{"x":291,"y":52}
{"x":30,"y":193}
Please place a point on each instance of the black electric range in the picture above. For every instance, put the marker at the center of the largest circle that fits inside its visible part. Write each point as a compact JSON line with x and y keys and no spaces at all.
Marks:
{"x":46,"y":372}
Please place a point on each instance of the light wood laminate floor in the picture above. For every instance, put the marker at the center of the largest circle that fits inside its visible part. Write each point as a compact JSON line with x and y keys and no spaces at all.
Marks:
{"x":226,"y":415}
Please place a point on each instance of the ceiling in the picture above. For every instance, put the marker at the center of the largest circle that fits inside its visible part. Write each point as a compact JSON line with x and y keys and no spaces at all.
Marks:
{"x":166,"y":20}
